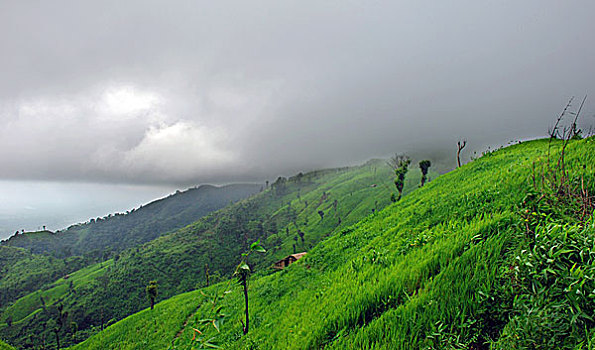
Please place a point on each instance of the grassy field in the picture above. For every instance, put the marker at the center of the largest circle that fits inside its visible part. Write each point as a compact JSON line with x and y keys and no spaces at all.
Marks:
{"x":286,"y":218}
{"x":483,"y":257}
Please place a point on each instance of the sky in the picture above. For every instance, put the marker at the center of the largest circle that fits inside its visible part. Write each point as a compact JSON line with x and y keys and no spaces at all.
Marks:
{"x":135,"y":99}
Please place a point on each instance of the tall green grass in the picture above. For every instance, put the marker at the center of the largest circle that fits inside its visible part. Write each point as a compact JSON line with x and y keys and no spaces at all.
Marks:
{"x":453,"y":265}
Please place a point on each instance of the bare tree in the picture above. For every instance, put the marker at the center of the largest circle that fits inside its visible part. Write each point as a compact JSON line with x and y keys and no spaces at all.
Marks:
{"x":460,"y":146}
{"x":396,"y":161}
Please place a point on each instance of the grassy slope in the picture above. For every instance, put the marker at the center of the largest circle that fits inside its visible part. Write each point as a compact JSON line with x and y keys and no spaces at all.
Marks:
{"x":432,"y":271}
{"x":30,"y":304}
{"x":4,"y":346}
{"x":177,"y":260}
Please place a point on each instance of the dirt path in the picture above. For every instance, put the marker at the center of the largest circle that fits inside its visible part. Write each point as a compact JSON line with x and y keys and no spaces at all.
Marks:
{"x":184,"y":326}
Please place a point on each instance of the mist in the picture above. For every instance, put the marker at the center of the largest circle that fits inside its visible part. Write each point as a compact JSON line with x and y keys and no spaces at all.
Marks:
{"x":178,"y":93}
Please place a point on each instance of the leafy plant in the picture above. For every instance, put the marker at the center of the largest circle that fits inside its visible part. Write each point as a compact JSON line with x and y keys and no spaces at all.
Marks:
{"x":242,"y":273}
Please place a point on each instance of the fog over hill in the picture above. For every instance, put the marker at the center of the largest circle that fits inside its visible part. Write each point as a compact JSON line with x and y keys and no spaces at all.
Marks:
{"x":176,"y":94}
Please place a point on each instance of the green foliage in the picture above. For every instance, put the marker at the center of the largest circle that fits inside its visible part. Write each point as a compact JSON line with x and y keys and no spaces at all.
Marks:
{"x":242,"y":273}
{"x":22,"y":272}
{"x":552,"y":286}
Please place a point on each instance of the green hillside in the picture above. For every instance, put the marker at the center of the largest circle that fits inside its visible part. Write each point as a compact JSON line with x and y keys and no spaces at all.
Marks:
{"x":499,"y":254}
{"x":113,"y":233}
{"x":22,"y":272}
{"x":286,"y":217}
{"x":30,"y":260}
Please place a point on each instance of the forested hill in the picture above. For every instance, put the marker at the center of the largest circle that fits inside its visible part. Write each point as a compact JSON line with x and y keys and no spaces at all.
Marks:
{"x":30,"y":260}
{"x":498,"y":254}
{"x":102,"y":237}
{"x":292,"y":215}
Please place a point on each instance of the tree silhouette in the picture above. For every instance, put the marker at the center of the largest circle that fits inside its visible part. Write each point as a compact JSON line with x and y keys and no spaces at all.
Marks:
{"x":424,"y":165}
{"x":152,"y":292}
{"x":402,"y":162}
{"x":460,"y":146}
{"x":59,"y":323}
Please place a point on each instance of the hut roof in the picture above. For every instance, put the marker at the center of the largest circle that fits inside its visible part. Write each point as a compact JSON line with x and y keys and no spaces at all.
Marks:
{"x":286,"y":260}
{"x":298,"y":255}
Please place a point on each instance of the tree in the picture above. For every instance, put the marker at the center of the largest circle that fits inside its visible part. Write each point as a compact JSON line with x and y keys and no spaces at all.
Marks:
{"x":58,"y":323}
{"x":242,"y":273}
{"x":460,"y":146}
{"x":424,"y":165}
{"x":280,"y":186}
{"x":74,"y":327}
{"x":402,"y":167}
{"x":207,"y":273}
{"x":152,"y":292}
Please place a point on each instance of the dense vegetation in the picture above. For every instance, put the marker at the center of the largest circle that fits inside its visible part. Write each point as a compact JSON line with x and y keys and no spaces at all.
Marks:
{"x":497,"y":254}
{"x":22,"y":272}
{"x":30,"y":260}
{"x":292,"y":215}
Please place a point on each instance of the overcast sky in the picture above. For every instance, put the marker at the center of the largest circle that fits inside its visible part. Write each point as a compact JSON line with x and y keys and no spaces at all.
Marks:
{"x":174,"y":93}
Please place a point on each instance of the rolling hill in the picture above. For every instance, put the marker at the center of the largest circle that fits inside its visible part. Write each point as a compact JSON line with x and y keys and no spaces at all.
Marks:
{"x":498,"y":254}
{"x":292,"y":215}
{"x":30,"y":260}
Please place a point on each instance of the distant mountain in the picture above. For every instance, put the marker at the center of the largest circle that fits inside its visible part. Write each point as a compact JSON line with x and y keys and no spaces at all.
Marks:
{"x":102,"y":237}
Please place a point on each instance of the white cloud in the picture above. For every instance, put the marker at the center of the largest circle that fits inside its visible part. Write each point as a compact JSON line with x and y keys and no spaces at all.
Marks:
{"x":179,"y":151}
{"x":127,"y":101}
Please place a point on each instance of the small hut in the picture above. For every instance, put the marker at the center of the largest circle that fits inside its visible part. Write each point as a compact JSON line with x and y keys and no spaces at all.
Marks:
{"x":290,"y":259}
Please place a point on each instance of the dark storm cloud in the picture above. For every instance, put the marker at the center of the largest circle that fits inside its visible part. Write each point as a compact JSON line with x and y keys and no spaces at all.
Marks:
{"x":190,"y":92}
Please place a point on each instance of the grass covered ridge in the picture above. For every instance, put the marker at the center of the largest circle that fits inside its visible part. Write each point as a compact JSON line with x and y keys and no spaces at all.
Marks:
{"x":473,"y":260}
{"x":285,"y":217}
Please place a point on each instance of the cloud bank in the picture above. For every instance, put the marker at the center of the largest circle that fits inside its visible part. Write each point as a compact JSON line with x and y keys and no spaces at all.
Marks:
{"x":190,"y":92}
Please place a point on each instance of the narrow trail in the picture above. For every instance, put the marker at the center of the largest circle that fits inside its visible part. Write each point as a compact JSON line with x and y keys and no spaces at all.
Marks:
{"x":184,"y":326}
